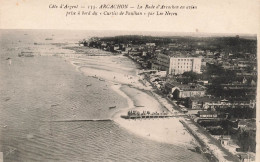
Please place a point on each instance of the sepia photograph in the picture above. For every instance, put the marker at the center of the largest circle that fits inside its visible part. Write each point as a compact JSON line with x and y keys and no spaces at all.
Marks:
{"x":109,"y":91}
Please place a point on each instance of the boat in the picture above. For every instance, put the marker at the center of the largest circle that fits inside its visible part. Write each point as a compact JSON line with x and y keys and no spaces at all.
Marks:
{"x":112,"y":107}
{"x":26,"y":54}
{"x":139,"y":106}
{"x":54,"y":105}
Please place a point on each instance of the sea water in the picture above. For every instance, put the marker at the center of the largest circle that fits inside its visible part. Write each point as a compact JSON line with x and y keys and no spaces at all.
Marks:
{"x":44,"y":101}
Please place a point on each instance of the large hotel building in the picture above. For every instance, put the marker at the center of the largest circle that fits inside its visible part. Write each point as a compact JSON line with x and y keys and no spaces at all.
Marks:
{"x":177,"y":65}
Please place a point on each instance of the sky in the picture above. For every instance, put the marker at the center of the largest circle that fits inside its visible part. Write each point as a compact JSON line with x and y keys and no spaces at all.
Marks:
{"x":211,"y":16}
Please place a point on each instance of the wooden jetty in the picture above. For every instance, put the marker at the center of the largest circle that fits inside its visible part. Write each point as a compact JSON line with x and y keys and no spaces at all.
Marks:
{"x":147,"y":115}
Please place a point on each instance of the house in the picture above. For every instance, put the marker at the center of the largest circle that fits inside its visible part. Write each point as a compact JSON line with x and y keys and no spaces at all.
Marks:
{"x":225,"y":140}
{"x":127,"y":49}
{"x":246,"y":157}
{"x":215,"y":102}
{"x":242,"y":124}
{"x":150,"y":44}
{"x":199,"y":52}
{"x":197,"y":103}
{"x":203,"y":82}
{"x":177,"y":90}
{"x":190,"y":90}
{"x":208,"y":114}
{"x":247,"y":125}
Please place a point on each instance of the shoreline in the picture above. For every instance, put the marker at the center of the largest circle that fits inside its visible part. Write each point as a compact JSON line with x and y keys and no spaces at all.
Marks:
{"x":157,"y":130}
{"x":169,"y":130}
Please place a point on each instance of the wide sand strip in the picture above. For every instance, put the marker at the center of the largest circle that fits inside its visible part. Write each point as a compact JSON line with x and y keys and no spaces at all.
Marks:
{"x":126,"y":84}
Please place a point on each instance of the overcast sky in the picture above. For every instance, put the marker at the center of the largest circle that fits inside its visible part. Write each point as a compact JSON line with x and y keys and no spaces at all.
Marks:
{"x":211,"y":16}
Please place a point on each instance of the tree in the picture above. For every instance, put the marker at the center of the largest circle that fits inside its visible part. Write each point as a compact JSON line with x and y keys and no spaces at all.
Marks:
{"x":192,"y":76}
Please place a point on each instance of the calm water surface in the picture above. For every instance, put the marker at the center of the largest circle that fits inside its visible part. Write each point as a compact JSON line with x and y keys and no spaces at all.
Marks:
{"x":36,"y":91}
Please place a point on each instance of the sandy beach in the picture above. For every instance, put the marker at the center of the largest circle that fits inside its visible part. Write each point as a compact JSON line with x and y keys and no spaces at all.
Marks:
{"x":65,"y":105}
{"x":126,"y":82}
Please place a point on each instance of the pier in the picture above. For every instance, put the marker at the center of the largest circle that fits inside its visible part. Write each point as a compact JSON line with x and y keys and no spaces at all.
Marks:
{"x":81,"y":120}
{"x":148,"y":115}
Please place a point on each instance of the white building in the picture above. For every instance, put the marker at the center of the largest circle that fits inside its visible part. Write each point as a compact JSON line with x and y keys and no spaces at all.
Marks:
{"x":150,"y":44}
{"x":179,"y":65}
{"x":162,"y":62}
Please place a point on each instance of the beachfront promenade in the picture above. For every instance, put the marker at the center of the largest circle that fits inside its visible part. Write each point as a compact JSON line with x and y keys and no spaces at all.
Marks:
{"x":199,"y":133}
{"x":207,"y":142}
{"x":210,"y":145}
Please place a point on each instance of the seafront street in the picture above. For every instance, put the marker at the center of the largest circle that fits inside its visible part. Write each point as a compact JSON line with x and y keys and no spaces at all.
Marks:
{"x":213,"y":150}
{"x":212,"y":145}
{"x":207,"y":142}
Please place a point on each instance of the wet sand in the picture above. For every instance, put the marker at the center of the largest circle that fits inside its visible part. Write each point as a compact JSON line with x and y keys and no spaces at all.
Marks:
{"x":126,"y":82}
{"x":168,"y":130}
{"x":56,"y":85}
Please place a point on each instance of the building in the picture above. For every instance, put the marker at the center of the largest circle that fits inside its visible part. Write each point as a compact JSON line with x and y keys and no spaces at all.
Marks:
{"x":246,"y":124}
{"x":246,"y":157}
{"x":178,"y":90}
{"x":150,"y":44}
{"x":185,"y":91}
{"x":225,"y":140}
{"x":208,"y":114}
{"x":127,"y":49}
{"x":161,"y":63}
{"x":242,"y":124}
{"x":179,"y":65}
{"x":213,"y":103}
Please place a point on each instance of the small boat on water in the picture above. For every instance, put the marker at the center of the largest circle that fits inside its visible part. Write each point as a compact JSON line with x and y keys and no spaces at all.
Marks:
{"x":112,"y":107}
{"x":7,"y":99}
{"x":54,"y":105}
{"x":139,"y":106}
{"x":26,"y":54}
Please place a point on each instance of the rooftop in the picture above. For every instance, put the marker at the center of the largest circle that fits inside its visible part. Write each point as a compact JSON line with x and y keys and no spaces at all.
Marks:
{"x":220,"y":99}
{"x":207,"y":112}
{"x":186,"y":87}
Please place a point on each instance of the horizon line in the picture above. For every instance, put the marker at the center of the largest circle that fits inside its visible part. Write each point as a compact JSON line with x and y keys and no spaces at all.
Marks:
{"x":152,"y":33}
